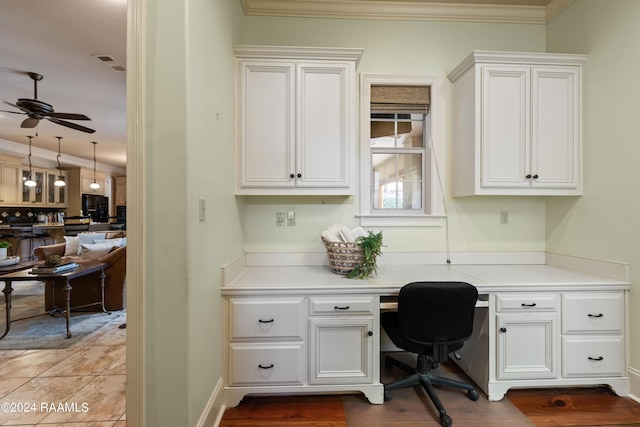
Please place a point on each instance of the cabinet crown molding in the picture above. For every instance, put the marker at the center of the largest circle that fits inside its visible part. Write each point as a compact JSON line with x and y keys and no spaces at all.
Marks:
{"x":522,"y":58}
{"x":298,"y":52}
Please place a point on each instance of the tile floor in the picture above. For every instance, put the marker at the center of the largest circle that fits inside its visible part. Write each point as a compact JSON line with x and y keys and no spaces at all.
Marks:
{"x":82,"y":386}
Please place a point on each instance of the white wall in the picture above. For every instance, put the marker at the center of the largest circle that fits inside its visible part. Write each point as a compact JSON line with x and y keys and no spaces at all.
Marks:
{"x":188,"y":153}
{"x":604,"y":222}
{"x":429,"y":48}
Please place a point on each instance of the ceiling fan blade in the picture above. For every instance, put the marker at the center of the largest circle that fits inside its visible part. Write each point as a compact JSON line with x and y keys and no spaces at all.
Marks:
{"x":70,"y":125}
{"x":68,"y":116}
{"x":29,"y":122}
{"x":12,"y":112}
{"x":15,"y":106}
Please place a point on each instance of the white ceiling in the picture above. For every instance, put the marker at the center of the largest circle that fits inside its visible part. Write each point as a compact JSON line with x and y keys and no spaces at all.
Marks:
{"x":58,"y":38}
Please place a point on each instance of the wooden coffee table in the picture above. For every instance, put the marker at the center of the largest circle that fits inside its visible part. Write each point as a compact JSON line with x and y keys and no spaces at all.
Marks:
{"x":24,"y":275}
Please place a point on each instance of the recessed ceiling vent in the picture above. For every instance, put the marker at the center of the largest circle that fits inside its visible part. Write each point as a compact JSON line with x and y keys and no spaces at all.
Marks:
{"x":110,"y":62}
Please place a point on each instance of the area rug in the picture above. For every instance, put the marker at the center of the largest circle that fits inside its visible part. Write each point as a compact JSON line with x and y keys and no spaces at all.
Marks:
{"x":33,"y":328}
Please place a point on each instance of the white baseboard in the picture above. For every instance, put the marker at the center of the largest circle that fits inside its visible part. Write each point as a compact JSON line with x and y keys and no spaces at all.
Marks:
{"x":214,"y":410}
{"x":634,"y":384}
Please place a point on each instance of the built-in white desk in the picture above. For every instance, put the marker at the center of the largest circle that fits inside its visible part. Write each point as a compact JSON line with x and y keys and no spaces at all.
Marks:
{"x":304,"y":329}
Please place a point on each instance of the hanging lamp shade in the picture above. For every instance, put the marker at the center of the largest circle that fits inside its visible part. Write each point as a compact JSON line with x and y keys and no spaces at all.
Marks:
{"x":30,"y":182}
{"x":94,"y":185}
{"x":60,"y":181}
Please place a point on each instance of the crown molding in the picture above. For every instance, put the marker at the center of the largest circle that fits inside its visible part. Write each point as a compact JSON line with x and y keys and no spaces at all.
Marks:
{"x":407,"y":10}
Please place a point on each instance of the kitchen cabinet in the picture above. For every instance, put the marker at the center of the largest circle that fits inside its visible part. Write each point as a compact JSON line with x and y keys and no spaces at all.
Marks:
{"x":56,"y":196}
{"x":10,"y":183}
{"x":344,"y":323}
{"x":296,"y":120}
{"x":120,"y":191}
{"x":33,"y":195}
{"x":527,"y":335}
{"x":517,"y":124}
{"x":277,"y":344}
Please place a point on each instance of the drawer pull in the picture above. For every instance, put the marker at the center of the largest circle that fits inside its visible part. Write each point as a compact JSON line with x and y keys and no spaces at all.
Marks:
{"x":341,"y":308}
{"x":266,"y":321}
{"x":533,"y":304}
{"x":597,"y":359}
{"x":596,"y":315}
{"x":265,"y":367}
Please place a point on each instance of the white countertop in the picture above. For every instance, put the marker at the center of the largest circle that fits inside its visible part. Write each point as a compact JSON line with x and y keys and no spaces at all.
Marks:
{"x":487,"y":278}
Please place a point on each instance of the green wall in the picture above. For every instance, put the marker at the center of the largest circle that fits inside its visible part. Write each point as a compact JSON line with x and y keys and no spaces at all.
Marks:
{"x":604,"y":222}
{"x":427,"y":48}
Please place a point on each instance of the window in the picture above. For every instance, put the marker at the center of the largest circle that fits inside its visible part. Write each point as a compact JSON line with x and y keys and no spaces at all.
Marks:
{"x":400,"y":182}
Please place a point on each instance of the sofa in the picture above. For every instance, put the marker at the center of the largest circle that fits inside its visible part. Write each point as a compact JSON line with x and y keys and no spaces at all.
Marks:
{"x":86,"y":289}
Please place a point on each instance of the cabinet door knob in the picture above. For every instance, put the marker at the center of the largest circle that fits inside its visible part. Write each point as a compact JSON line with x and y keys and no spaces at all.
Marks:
{"x":370,"y":333}
{"x":533,"y":304}
{"x":503,"y":329}
{"x":535,"y":176}
{"x":597,"y":359}
{"x":299,"y":175}
{"x":528,"y":176}
{"x":292,"y":176}
{"x":265,"y":367}
{"x":596,"y":315}
{"x":266,"y":321}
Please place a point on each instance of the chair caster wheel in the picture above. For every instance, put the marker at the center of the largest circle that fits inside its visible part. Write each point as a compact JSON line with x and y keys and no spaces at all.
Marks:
{"x":473,"y":395}
{"x":387,"y":396}
{"x":445,"y":421}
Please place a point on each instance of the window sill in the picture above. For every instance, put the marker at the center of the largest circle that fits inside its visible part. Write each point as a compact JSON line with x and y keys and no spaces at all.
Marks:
{"x":401,"y":220}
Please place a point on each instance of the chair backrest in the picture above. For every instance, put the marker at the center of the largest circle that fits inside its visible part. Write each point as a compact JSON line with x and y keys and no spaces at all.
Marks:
{"x":436,"y":312}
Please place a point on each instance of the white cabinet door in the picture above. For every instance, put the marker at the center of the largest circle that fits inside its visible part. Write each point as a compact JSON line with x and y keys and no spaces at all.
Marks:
{"x":505,"y":126}
{"x":526,"y":345}
{"x":341,"y":350}
{"x":10,"y":185}
{"x":555,"y":159}
{"x":267,"y":110}
{"x":323,"y":125}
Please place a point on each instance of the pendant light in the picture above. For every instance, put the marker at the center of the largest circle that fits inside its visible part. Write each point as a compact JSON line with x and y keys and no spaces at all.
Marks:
{"x":94,"y":185}
{"x":30,"y":182}
{"x":60,"y":181}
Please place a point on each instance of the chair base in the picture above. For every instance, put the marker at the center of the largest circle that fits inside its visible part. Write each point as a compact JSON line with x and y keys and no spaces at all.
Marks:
{"x":422,"y":375}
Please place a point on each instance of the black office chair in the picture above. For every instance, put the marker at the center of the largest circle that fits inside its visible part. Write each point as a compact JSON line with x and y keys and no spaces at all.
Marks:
{"x":433,"y":320}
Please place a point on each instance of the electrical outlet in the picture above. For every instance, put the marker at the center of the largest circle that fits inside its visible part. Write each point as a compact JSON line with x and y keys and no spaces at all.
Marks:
{"x":504,"y":217}
{"x":279,"y":219}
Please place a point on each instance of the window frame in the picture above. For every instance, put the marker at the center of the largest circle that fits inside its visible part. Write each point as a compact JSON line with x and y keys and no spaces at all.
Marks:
{"x":434,"y":217}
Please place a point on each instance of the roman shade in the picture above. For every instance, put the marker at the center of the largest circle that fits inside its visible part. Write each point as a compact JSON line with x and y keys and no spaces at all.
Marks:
{"x":387,"y":100}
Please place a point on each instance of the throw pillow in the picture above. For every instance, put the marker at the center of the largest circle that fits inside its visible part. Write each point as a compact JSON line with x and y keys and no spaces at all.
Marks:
{"x":72,"y":245}
{"x":115,"y":242}
{"x":95,"y":250}
{"x":88,"y":238}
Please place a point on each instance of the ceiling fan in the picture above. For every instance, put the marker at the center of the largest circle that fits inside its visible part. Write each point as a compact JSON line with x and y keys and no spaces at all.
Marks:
{"x":37,"y":110}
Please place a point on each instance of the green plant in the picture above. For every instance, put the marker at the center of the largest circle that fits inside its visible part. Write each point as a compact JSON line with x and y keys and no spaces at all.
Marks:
{"x":5,"y":244}
{"x":371,"y":246}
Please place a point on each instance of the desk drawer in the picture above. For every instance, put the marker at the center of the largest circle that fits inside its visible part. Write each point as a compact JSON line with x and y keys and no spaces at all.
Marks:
{"x":266,"y":364}
{"x":592,"y":356}
{"x":346,"y":306}
{"x":267,"y":318}
{"x":527,"y":302}
{"x":592,"y":312}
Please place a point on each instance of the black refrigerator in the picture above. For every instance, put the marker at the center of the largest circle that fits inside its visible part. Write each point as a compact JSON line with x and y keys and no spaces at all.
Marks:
{"x":96,"y":206}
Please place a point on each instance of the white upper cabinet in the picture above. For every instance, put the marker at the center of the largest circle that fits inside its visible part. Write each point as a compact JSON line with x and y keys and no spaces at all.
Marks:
{"x":296,"y":120}
{"x":517,"y":124}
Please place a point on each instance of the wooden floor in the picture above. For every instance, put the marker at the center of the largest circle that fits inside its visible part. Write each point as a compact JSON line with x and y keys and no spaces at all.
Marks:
{"x":410,"y":407}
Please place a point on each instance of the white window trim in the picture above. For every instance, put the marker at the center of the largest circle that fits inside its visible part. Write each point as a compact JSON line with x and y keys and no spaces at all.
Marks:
{"x":403,"y":218}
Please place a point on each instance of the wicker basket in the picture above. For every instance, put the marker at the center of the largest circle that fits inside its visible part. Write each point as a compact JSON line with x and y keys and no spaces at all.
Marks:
{"x":343,"y":257}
